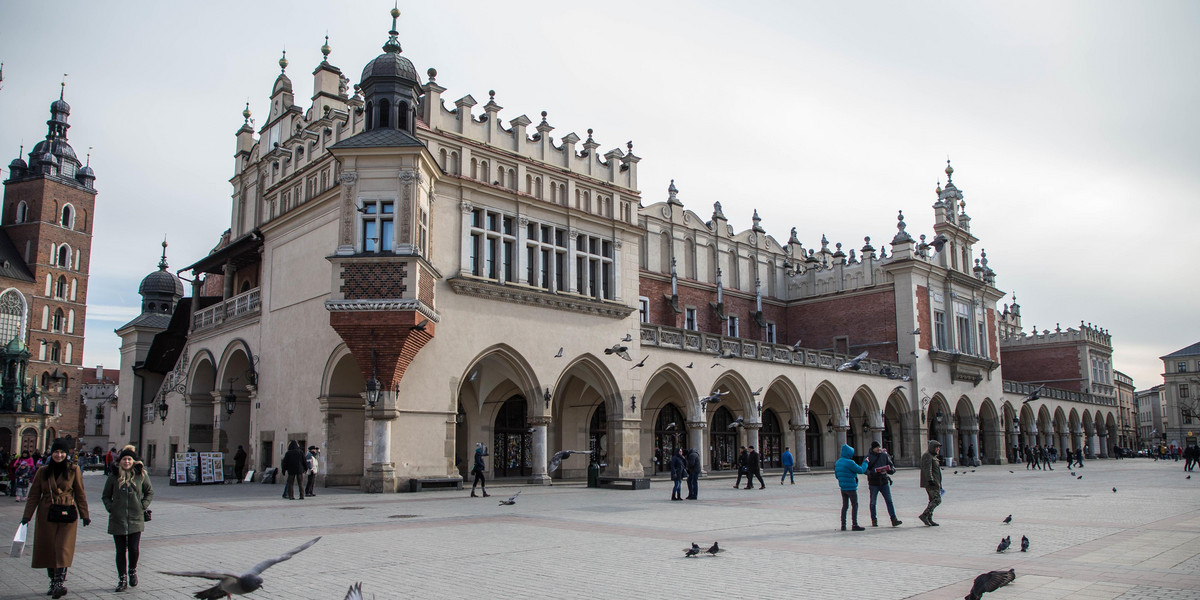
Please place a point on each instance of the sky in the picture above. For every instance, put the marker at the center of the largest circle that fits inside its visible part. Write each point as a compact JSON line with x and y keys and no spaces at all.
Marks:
{"x":1072,"y":126}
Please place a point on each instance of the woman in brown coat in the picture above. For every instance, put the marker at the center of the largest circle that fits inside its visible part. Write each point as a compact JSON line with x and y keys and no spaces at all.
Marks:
{"x":59,"y":482}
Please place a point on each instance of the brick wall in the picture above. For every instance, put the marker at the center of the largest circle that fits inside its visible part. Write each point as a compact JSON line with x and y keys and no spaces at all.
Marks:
{"x":425,"y":286}
{"x":389,"y":333}
{"x":924,"y":320}
{"x":690,"y":295}
{"x":866,"y":319}
{"x":1044,"y":363}
{"x":374,"y":280}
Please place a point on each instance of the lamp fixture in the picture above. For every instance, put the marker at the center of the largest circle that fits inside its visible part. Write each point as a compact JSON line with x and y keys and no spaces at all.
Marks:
{"x":546,"y":396}
{"x":230,"y":398}
{"x":373,"y":385}
{"x":939,"y":417}
{"x":866,"y":424}
{"x":633,"y":402}
{"x":162,"y":410}
{"x":829,"y":425}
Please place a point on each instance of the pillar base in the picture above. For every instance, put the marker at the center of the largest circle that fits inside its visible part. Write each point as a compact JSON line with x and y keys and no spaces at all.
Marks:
{"x":537,"y":479}
{"x":380,"y":478}
{"x":803,"y":469}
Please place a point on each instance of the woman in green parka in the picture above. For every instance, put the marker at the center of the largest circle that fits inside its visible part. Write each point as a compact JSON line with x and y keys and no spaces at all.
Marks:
{"x":127,"y":495}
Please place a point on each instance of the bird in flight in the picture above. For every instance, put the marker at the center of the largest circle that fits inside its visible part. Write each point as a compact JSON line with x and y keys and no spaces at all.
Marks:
{"x":714,"y":397}
{"x":990,"y":582}
{"x":726,"y":353}
{"x":627,"y":338}
{"x":419,"y":326}
{"x":240,"y":584}
{"x":852,"y":364}
{"x":355,"y":592}
{"x":738,"y":423}
{"x":796,"y":346}
{"x":756,"y":392}
{"x":619,"y":350}
{"x":640,"y":364}
{"x":1034,"y":395}
{"x":715,"y":549}
{"x":560,"y":351}
{"x":558,"y":457}
{"x":939,"y":242}
{"x":1008,"y":520}
{"x":1004,"y":544}
{"x":693,"y":551}
{"x":689,"y":365}
{"x":715,"y":365}
{"x":1024,"y":544}
{"x":511,"y":499}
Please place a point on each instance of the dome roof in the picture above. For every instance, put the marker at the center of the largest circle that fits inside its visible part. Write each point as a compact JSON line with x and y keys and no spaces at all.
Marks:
{"x":61,"y":106}
{"x":17,"y":163}
{"x":391,"y":64}
{"x":58,"y":147}
{"x":85,"y":171}
{"x":14,"y":346}
{"x":161,"y":282}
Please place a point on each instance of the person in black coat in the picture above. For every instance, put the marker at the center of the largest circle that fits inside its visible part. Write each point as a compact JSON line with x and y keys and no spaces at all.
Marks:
{"x":239,"y":464}
{"x":678,"y":472}
{"x":693,"y":474}
{"x":478,"y":469}
{"x":742,"y":467}
{"x":293,"y":466}
{"x":754,"y":469}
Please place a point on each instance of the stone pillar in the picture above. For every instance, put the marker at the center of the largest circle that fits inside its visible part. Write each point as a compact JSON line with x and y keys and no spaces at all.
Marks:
{"x":800,"y":434}
{"x":228,"y":272}
{"x":1103,"y":443}
{"x":913,"y":439}
{"x":695,"y":433}
{"x":1076,"y":439}
{"x":1064,"y":442}
{"x":380,"y":476}
{"x":540,"y":455}
{"x":950,"y":446}
{"x":972,"y":442}
{"x":751,"y":430}
{"x":1093,"y":442}
{"x":624,"y":447}
{"x":840,"y":432}
{"x":218,"y":417}
{"x":876,"y":436}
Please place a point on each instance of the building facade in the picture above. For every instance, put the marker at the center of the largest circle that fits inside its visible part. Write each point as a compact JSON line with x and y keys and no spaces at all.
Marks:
{"x":1127,"y":419}
{"x":98,"y":392}
{"x":1151,"y":417}
{"x":45,"y":238}
{"x":1181,"y":395}
{"x":402,"y":280}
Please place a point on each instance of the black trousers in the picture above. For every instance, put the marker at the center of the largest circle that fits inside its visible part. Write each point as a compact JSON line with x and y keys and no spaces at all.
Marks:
{"x":310,"y":480}
{"x":479,"y":480}
{"x":127,"y":552}
{"x":850,"y":498}
{"x":750,"y":480}
{"x":296,"y":479}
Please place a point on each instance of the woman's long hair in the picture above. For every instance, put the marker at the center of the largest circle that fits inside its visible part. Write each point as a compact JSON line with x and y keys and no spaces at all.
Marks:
{"x":125,"y":476}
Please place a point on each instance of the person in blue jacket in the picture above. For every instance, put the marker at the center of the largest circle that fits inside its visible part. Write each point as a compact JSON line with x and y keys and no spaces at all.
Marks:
{"x":847,"y":472}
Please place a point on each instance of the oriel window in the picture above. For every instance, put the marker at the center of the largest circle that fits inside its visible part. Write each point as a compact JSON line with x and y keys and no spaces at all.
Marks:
{"x":378,"y":225}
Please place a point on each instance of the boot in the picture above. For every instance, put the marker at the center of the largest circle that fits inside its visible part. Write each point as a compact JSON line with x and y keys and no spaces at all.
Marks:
{"x":133,"y":578}
{"x":122,"y":584}
{"x":473,"y":494}
{"x":896,"y":522}
{"x":485,"y":494}
{"x":874,"y":522}
{"x":57,"y":589}
{"x":857,"y":528}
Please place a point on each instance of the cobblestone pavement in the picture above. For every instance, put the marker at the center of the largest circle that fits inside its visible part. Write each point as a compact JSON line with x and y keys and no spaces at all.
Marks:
{"x":568,"y":541}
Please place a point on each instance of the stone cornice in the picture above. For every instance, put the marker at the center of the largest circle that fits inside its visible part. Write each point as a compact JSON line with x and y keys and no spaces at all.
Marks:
{"x":531,"y":297}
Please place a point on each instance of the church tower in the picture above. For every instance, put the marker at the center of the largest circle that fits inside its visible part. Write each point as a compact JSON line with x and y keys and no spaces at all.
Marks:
{"x":48,"y":213}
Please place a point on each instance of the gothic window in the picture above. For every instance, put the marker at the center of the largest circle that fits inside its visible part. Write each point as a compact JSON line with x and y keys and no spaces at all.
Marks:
{"x":370,"y":115}
{"x":939,"y":329}
{"x":423,"y":231}
{"x":22,"y":210}
{"x":58,"y":320}
{"x":546,"y":256}
{"x":664,"y":250}
{"x":60,"y":288}
{"x":962,"y":322}
{"x":771,"y":333}
{"x":63,"y":258}
{"x":689,"y":258}
{"x":384,"y":112}
{"x":689,"y":319}
{"x":378,"y":228}
{"x":733,"y":326}
{"x":402,"y":117}
{"x":55,"y":352}
{"x":12,"y":316}
{"x":644,"y":309}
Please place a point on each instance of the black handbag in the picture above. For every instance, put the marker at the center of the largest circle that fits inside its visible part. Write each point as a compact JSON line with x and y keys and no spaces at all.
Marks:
{"x":62,"y":513}
{"x":146,"y":514}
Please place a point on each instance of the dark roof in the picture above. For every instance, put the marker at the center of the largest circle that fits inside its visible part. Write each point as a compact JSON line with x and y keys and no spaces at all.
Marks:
{"x":12,"y":266}
{"x":240,"y":252}
{"x":1192,"y":350}
{"x":384,"y":137}
{"x":167,"y":346}
{"x":161,"y":282}
{"x":151,"y":320}
{"x":388,"y":65}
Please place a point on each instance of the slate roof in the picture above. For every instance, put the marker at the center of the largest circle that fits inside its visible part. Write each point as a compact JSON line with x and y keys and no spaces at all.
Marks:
{"x":12,"y":266}
{"x":384,"y":137}
{"x":1192,"y":350}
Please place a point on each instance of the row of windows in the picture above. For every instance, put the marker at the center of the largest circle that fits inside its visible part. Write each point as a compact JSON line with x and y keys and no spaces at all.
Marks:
{"x":506,"y":176}
{"x":66,"y":216}
{"x":690,"y":322}
{"x":967,"y":340}
{"x":1101,"y":371}
{"x":494,"y":253}
{"x":714,"y":262}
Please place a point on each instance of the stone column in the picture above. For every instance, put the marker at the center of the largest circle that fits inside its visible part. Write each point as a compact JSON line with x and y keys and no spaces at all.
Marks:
{"x":840,"y":432}
{"x":876,"y":436}
{"x":1093,"y":442}
{"x":218,"y":417}
{"x":624,"y":447}
{"x":695,"y":433}
{"x":380,"y":476}
{"x":751,"y":430}
{"x":540,"y":456}
{"x":950,"y":446}
{"x":1064,"y":442}
{"x":1076,"y":439}
{"x":800,"y":434}
{"x":973,"y":441}
{"x":347,"y":215}
{"x":1103,"y":443}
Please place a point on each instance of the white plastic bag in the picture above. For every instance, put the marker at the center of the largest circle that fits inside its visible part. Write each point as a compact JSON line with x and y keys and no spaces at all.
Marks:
{"x":18,"y":544}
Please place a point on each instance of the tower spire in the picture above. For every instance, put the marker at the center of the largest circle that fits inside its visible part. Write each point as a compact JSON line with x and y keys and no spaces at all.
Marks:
{"x":393,"y":42}
{"x":162,"y":264}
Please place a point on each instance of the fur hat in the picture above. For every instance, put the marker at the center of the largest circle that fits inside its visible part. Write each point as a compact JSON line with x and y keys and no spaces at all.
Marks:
{"x":874,"y":445}
{"x":61,"y":444}
{"x":129,"y":451}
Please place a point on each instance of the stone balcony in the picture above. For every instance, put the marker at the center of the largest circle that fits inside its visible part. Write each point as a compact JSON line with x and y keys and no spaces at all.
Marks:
{"x":1049,"y":393}
{"x":239,"y":307}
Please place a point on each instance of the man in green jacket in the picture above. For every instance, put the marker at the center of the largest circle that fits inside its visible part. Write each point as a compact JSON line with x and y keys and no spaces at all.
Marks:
{"x":931,"y":480}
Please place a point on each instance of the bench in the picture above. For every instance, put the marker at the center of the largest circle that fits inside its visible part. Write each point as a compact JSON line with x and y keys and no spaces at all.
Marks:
{"x":416,"y":485}
{"x":635,"y":483}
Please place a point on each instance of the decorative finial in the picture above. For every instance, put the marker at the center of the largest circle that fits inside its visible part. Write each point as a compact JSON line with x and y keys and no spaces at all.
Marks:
{"x":63,"y":89}
{"x":89,"y":157}
{"x":325,"y":50}
{"x":393,"y":42}
{"x":432,"y":73}
{"x":672,"y":194}
{"x":938,"y":191}
{"x":949,"y":171}
{"x":162,"y":264}
{"x":589,"y":134}
{"x":246,"y":112}
{"x":283,"y":62}
{"x":629,"y":146}
{"x":491,"y":94}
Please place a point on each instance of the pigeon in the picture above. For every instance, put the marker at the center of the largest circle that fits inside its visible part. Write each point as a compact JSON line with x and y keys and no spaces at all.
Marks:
{"x":916,"y":331}
{"x":715,"y":365}
{"x":1114,"y":490}
{"x":972,"y":470}
{"x":1188,"y":477}
{"x":240,"y":584}
{"x":1024,"y":544}
{"x":956,"y":472}
{"x":1034,"y":395}
{"x":756,"y":392}
{"x":1072,"y":473}
{"x":627,"y":338}
{"x":689,"y":365}
{"x":619,"y":350}
{"x":1004,"y":544}
{"x":1080,"y":477}
{"x":852,"y":364}
{"x":670,"y":426}
{"x":419,"y":326}
{"x":693,"y":551}
{"x":1010,"y":471}
{"x":796,"y":346}
{"x":558,"y":457}
{"x":1008,"y":520}
{"x":714,"y":397}
{"x":990,"y":582}
{"x":939,"y":242}
{"x":726,"y":354}
{"x":355,"y":592}
{"x":714,"y":550}
{"x":511,"y":499}
{"x":560,"y":351}
{"x":737,"y":423}
{"x":640,"y":364}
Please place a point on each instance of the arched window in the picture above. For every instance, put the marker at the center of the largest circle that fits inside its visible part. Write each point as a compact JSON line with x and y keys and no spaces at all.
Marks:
{"x":68,"y":217}
{"x":58,"y":320}
{"x":64,"y":256}
{"x":402,"y":117}
{"x":598,"y":436}
{"x":669,"y":433}
{"x":384,"y":112}
{"x":60,"y":288}
{"x":512,"y":452}
{"x":370,"y":116}
{"x":770,"y":440}
{"x":55,"y":352}
{"x":245,"y":287}
{"x":723,"y":440}
{"x":12,"y":316}
{"x":22,"y":209}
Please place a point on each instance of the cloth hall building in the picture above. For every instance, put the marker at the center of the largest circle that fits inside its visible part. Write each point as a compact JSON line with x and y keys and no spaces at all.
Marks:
{"x":407,"y":274}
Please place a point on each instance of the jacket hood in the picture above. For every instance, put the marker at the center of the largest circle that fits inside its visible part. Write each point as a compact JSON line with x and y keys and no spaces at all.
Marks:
{"x":847,"y":451}
{"x":293,"y":446}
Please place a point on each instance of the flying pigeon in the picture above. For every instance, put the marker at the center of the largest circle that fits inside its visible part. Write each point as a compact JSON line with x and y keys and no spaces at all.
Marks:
{"x":990,"y":582}
{"x":689,"y":365}
{"x":852,"y":364}
{"x":619,"y":350}
{"x":1004,"y":544}
{"x":1034,"y":395}
{"x":1114,"y":490}
{"x":726,"y":354}
{"x":737,"y":423}
{"x":627,"y":338}
{"x":1008,"y":520}
{"x":355,"y":592}
{"x":558,"y":457}
{"x":714,"y":397}
{"x":916,"y":331}
{"x":796,"y":346}
{"x":756,"y":392}
{"x":939,"y":241}
{"x":1024,"y":544}
{"x":419,"y":326}
{"x":715,"y":365}
{"x":560,"y":351}
{"x":693,"y":551}
{"x":511,"y":499}
{"x":640,"y":364}
{"x":714,"y":550}
{"x":233,"y":583}
{"x":670,"y":426}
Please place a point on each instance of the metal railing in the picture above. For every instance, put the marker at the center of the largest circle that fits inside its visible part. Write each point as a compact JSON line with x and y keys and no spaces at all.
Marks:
{"x":1017,"y":387}
{"x":244,"y":304}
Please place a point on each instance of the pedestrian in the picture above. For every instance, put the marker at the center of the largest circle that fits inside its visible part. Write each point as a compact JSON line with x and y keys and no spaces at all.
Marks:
{"x":1053,"y":454}
{"x":239,"y":463}
{"x":931,"y":480}
{"x":127,"y":495}
{"x":109,"y":458}
{"x":293,"y":467}
{"x":1079,"y":458}
{"x":314,"y":467}
{"x":1046,"y":458}
{"x":743,"y":467}
{"x":58,"y":498}
{"x":693,"y":474}
{"x":879,"y":470}
{"x":974,"y":462}
{"x":678,"y":472}
{"x":847,"y":472}
{"x":23,"y":471}
{"x":789,"y":465}
{"x":477,"y":470}
{"x":754,"y":469}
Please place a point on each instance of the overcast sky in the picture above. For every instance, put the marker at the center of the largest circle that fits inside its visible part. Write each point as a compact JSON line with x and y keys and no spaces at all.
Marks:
{"x":1072,"y":126}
